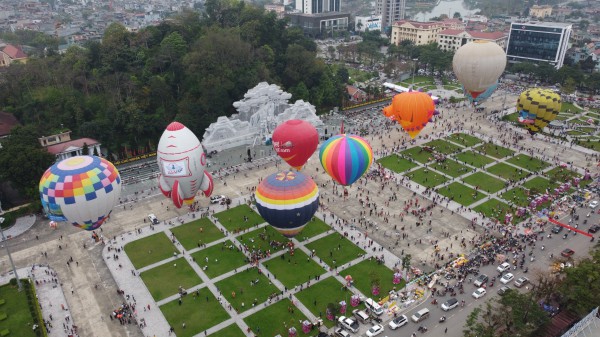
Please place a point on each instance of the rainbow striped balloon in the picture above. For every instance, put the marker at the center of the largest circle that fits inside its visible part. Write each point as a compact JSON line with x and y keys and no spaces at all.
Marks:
{"x":287,"y":201}
{"x":346,"y":158}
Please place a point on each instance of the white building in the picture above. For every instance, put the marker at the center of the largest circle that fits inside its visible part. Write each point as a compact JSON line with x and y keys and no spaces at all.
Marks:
{"x":318,"y":6}
{"x":371,"y":23}
{"x":452,"y":39}
{"x":538,"y":42}
{"x":390,"y":11}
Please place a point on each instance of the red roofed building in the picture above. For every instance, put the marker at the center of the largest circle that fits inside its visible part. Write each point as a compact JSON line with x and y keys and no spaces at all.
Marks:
{"x":355,"y":94}
{"x":61,"y":145}
{"x":7,"y":122}
{"x":10,"y":54}
{"x":452,"y":39}
{"x":421,"y":33}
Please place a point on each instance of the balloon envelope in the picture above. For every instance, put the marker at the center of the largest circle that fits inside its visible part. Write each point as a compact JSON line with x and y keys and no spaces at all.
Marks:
{"x":81,"y":190}
{"x":412,"y":109}
{"x":287,"y":201}
{"x":346,"y":158}
{"x":478,"y":65}
{"x":537,"y":108}
{"x":295,"y":141}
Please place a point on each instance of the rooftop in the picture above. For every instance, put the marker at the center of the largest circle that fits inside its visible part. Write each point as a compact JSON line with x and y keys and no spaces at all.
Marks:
{"x":76,"y":143}
{"x":7,"y":122}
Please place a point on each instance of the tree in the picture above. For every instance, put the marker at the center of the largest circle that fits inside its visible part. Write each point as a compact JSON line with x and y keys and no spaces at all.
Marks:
{"x":482,"y":322}
{"x":581,"y":286}
{"x":522,"y":315}
{"x":85,"y":150}
{"x":456,"y":15}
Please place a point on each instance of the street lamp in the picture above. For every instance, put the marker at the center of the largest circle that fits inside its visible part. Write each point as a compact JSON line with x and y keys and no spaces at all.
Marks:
{"x":8,"y":252}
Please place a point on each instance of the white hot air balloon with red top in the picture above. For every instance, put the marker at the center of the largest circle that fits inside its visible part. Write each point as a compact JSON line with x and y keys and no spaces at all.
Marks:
{"x":182,"y":162}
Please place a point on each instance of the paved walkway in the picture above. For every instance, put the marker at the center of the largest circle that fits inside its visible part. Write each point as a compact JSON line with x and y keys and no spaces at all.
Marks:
{"x":21,"y":225}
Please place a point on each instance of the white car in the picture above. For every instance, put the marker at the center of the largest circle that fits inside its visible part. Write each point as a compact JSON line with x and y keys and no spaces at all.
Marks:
{"x":503,"y":267}
{"x":479,"y":293}
{"x":375,"y":330}
{"x":398,"y":322}
{"x":507,"y":278}
{"x":215,"y":199}
{"x":348,"y":323}
{"x":450,"y":304}
{"x":594,"y":204}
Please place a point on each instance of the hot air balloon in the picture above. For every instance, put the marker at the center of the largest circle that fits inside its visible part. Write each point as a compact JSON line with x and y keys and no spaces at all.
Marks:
{"x":346,"y":158}
{"x":81,"y":190}
{"x":287,"y":201}
{"x":478,"y":65}
{"x":182,"y":162}
{"x":295,"y":141}
{"x":412,"y":109}
{"x":538,"y":107}
{"x":482,"y":96}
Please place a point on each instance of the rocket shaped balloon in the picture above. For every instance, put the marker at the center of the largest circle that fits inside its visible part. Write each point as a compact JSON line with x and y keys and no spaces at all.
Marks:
{"x":182,"y":163}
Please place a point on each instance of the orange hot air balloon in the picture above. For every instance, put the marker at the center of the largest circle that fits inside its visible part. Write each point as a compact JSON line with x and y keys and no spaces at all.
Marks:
{"x":413,"y":110}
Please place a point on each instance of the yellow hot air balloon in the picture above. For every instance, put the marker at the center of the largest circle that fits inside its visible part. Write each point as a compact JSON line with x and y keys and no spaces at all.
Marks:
{"x":477,"y":66}
{"x":538,"y":107}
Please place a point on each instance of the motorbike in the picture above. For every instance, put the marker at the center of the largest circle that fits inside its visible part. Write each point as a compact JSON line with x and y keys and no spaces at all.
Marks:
{"x":442,"y":319}
{"x":434,"y":301}
{"x":422,"y":329}
{"x":526,"y":269}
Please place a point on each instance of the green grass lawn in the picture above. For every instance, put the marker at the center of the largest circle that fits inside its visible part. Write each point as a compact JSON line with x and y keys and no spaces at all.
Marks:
{"x":561,"y":175}
{"x":314,"y":227}
{"x":442,"y":146}
{"x":460,"y":193}
{"x":233,"y":219}
{"x":149,"y":250}
{"x":569,"y":107}
{"x":593,"y":144}
{"x":363,"y":274}
{"x":335,"y":247}
{"x":276,"y":320}
{"x":396,"y":163}
{"x":564,"y":116}
{"x":418,"y":154}
{"x":494,"y":150}
{"x":464,"y":139}
{"x":517,"y":196}
{"x":293,"y":270}
{"x":539,"y":185}
{"x":495,"y":209}
{"x":507,"y":172}
{"x":473,"y":159}
{"x":426,"y":177}
{"x":222,"y":258}
{"x":575,"y":133}
{"x":450,"y":167}
{"x":199,"y":231}
{"x":245,"y":293}
{"x":587,"y":129}
{"x":164,"y":280}
{"x":231,"y":331}
{"x":319,"y":295}
{"x":485,"y":182}
{"x":260,"y":239}
{"x":19,"y":318}
{"x":527,"y":162}
{"x":197,"y":314}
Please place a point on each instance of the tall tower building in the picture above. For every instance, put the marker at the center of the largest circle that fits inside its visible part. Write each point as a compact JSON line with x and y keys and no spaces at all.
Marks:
{"x":318,"y":6}
{"x":537,"y":41}
{"x":390,"y":11}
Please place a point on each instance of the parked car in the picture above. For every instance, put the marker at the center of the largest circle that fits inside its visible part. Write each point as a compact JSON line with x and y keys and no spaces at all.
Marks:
{"x":375,"y":330}
{"x":594,"y":204}
{"x":481,"y":280}
{"x":479,"y":293}
{"x":420,"y":315}
{"x":153,"y":219}
{"x":450,"y":304}
{"x":398,"y":322}
{"x":557,"y":229}
{"x":568,"y":252}
{"x":503,"y":267}
{"x":594,"y":229}
{"x":503,"y":290}
{"x":507,"y":278}
{"x":521,"y":281}
{"x":339,"y":332}
{"x":348,"y":323}
{"x":216,"y":199}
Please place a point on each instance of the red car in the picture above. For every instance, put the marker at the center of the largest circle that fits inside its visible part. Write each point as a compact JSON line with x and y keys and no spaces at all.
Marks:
{"x":567,"y":252}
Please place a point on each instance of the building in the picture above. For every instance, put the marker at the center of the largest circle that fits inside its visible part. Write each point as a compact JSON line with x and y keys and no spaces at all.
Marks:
{"x":278,"y":9}
{"x":540,"y":12}
{"x":538,"y":42}
{"x":7,"y":122}
{"x":318,"y":6}
{"x":61,"y":145}
{"x":371,"y":23}
{"x":421,"y":33}
{"x":320,"y":25}
{"x":452,"y":39}
{"x":355,"y":94}
{"x":11,"y":54}
{"x":390,"y":11}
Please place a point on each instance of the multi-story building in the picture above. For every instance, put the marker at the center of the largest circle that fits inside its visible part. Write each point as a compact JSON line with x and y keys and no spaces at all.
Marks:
{"x":364,"y":23}
{"x":318,"y":6}
{"x":452,"y":39}
{"x":421,"y":33}
{"x":320,"y":25}
{"x":390,"y":11}
{"x":538,"y":42}
{"x":540,"y":12}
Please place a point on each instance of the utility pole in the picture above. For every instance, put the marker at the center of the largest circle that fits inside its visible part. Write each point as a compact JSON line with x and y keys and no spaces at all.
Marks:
{"x":8,"y":251}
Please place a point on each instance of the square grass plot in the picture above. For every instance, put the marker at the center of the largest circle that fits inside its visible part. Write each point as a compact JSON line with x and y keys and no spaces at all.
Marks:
{"x":418,"y":154}
{"x":276,"y":319}
{"x":494,"y":209}
{"x":238,"y":218}
{"x":396,"y":163}
{"x":426,"y":177}
{"x":264,"y":238}
{"x":365,"y":273}
{"x":231,"y":331}
{"x":319,"y":295}
{"x":219,"y":259}
{"x":149,"y":250}
{"x":527,"y":162}
{"x":314,"y":227}
{"x":165,"y":280}
{"x":335,"y":249}
{"x":473,"y":159}
{"x":198,"y":314}
{"x":485,"y":182}
{"x":460,"y":193}
{"x":442,"y":146}
{"x":494,"y":150}
{"x":561,"y":175}
{"x":507,"y":172}
{"x":540,"y":185}
{"x":292,"y":270}
{"x":242,"y":289}
{"x":518,"y":196}
{"x":18,"y":311}
{"x":464,"y":139}
{"x":197,"y":232}
{"x":450,"y":167}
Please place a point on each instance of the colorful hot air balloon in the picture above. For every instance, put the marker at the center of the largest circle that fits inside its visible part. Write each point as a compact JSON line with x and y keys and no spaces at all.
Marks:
{"x":295,"y":141}
{"x":81,"y":190}
{"x":482,"y":96}
{"x":346,"y":158}
{"x":478,"y":65}
{"x":287,"y":201}
{"x":538,"y":107}
{"x":412,"y":109}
